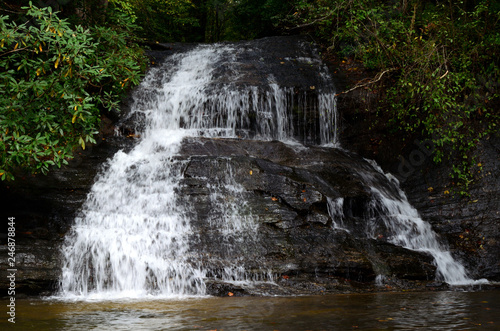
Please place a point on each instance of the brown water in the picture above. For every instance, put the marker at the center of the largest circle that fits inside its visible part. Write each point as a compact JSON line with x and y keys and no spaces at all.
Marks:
{"x":378,"y":311}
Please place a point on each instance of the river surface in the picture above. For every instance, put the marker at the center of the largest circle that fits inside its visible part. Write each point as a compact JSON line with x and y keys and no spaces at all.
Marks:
{"x":374,"y":311}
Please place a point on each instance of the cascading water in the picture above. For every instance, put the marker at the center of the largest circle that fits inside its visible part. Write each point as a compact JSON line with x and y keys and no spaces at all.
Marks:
{"x":234,"y":225}
{"x":407,"y":229}
{"x":132,"y":241}
{"x":402,"y":224}
{"x":335,"y":210}
{"x":133,"y":235}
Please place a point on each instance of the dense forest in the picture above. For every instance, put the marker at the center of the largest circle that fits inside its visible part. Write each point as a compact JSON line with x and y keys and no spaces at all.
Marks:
{"x":434,"y":64}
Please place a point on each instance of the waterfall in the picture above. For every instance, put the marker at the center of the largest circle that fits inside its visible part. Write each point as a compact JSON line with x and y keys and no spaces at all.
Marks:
{"x":234,"y":225}
{"x":402,"y":224}
{"x":408,"y":230}
{"x":336,"y":212}
{"x":132,"y":237}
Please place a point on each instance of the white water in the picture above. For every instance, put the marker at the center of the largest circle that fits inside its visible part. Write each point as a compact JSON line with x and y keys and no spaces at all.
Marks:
{"x":404,"y":225}
{"x":232,"y":219}
{"x":408,"y":230}
{"x":132,"y":238}
{"x":336,"y":212}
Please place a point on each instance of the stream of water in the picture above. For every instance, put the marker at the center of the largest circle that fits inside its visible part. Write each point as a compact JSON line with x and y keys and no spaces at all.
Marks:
{"x":131,"y":239}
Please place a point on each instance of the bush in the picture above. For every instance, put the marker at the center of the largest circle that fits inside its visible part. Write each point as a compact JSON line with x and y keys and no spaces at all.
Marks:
{"x":54,"y":81}
{"x":441,"y":64}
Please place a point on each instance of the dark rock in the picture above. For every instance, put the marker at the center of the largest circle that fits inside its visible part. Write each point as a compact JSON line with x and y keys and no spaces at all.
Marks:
{"x":284,"y":188}
{"x":470,"y":226}
{"x":288,"y":197}
{"x":284,"y":193}
{"x":221,"y":289}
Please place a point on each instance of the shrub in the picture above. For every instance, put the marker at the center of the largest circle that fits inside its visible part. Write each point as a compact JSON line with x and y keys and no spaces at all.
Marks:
{"x":54,"y":81}
{"x":441,"y":60}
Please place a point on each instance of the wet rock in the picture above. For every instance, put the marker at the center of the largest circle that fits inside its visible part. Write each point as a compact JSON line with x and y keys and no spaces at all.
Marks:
{"x":288,"y":197}
{"x":468,"y":225}
{"x":222,"y":289}
{"x":264,"y":76}
{"x":285,"y":190}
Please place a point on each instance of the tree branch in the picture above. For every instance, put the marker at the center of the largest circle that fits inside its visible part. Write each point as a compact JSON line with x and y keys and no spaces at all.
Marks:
{"x":14,"y":50}
{"x":310,"y":23}
{"x":371,"y":81}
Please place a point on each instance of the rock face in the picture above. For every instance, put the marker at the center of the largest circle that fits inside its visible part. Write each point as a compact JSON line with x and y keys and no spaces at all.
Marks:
{"x":287,"y":191}
{"x":308,"y":241}
{"x":285,"y":188}
{"x":470,"y":226}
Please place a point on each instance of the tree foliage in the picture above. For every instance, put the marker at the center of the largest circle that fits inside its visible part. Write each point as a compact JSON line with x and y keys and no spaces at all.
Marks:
{"x":204,"y":20}
{"x":442,"y":63}
{"x":162,"y":20}
{"x":55,"y":79}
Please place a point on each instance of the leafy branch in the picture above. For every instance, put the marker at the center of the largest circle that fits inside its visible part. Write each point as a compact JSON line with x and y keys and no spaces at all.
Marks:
{"x":54,"y":88}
